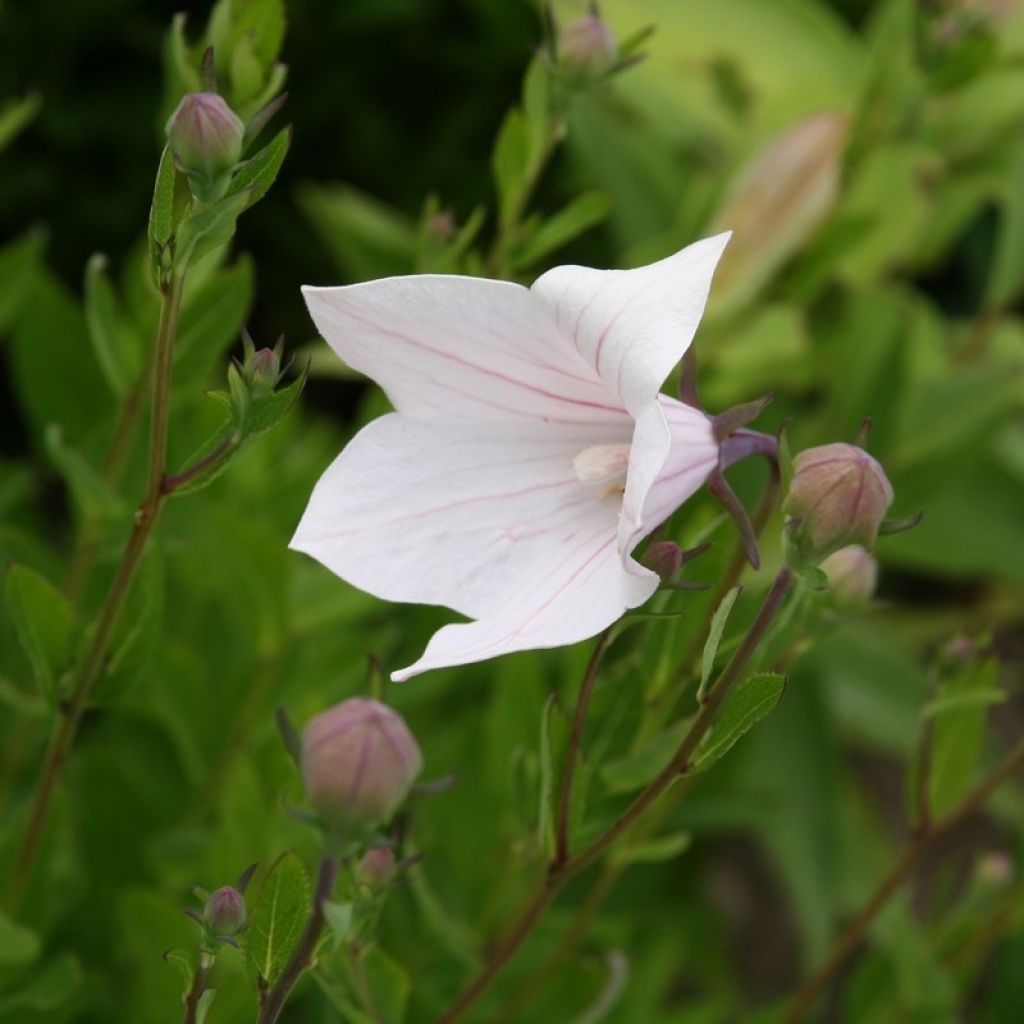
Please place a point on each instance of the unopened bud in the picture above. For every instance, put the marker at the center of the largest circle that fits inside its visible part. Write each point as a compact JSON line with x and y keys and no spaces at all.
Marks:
{"x":206,"y":137}
{"x":994,"y":869}
{"x":776,"y":202}
{"x":265,"y":370}
{"x":665,"y":558}
{"x":359,"y":761}
{"x":224,"y":913}
{"x":587,"y":47}
{"x":377,"y":868}
{"x":839,"y":496}
{"x":852,"y":574}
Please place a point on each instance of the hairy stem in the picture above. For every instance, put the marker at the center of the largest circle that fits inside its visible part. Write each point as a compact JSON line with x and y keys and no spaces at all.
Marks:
{"x":91,"y":666}
{"x":302,"y":958}
{"x":559,"y":873}
{"x":847,"y":945}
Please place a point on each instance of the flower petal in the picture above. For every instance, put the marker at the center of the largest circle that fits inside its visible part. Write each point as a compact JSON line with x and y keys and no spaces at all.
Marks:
{"x":455,"y":349}
{"x":633,"y":326}
{"x":435,"y":514}
{"x":583,"y":591}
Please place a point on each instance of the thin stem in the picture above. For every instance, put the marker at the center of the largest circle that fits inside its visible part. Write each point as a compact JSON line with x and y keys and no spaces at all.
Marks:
{"x":195,"y":993}
{"x":95,"y":657}
{"x":302,"y":958}
{"x":175,"y":481}
{"x":820,"y":981}
{"x":575,"y":740}
{"x":559,"y":873}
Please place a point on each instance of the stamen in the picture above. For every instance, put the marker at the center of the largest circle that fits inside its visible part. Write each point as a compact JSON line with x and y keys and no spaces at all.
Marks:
{"x":602,"y":463}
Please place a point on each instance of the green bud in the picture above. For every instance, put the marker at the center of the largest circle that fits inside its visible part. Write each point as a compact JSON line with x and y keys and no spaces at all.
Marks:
{"x":838,"y":496}
{"x":359,"y":760}
{"x":206,"y":137}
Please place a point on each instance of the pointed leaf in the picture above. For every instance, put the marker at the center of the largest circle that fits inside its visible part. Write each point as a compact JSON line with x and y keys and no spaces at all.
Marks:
{"x":554,"y":734}
{"x":18,"y":946}
{"x":745,"y":706}
{"x":44,"y":622}
{"x":639,"y":767}
{"x":278,"y":917}
{"x":260,"y":172}
{"x":117,"y":346}
{"x":582,"y":213}
{"x":161,"y":213}
{"x":718,"y":623}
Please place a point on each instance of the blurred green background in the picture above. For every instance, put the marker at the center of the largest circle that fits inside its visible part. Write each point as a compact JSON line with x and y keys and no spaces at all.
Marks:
{"x":870,"y":157}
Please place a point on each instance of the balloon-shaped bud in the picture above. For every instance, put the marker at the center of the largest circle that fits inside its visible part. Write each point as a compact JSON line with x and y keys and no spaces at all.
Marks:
{"x":852,"y":574}
{"x":359,"y":760}
{"x":838,"y":496}
{"x":224,"y":913}
{"x":206,"y":137}
{"x":587,"y":47}
{"x":377,"y":868}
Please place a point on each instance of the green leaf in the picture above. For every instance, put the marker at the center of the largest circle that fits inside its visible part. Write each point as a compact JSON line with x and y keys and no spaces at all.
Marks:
{"x":389,"y":984}
{"x":96,"y":499}
{"x":509,"y":164}
{"x":536,"y":108}
{"x":210,"y":226}
{"x":718,"y":623}
{"x":204,"y":1004}
{"x":15,"y":115}
{"x":744,"y":706}
{"x":554,"y":735}
{"x":958,"y":731}
{"x":46,"y":989}
{"x":161,"y":213}
{"x":639,"y":767}
{"x":44,"y":622}
{"x":117,"y":346}
{"x":269,"y":411}
{"x":19,"y":261}
{"x":339,"y":918}
{"x":654,"y":851}
{"x":262,"y":23}
{"x":278,"y":918}
{"x":583,"y":212}
{"x":18,"y":946}
{"x":183,"y":962}
{"x":259,"y":173}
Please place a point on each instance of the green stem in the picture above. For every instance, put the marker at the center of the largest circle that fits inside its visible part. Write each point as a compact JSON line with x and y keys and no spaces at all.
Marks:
{"x":819,"y":982}
{"x":95,"y":657}
{"x":559,"y":873}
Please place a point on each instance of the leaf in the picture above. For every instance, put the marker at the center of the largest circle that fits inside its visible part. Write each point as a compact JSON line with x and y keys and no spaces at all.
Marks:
{"x":118,"y":348}
{"x":269,"y":411}
{"x":15,"y":115}
{"x":46,"y":989}
{"x":389,"y":984}
{"x":209,"y":226}
{"x":19,"y":261}
{"x":44,"y":622}
{"x":204,"y":1004}
{"x":744,"y":706}
{"x":262,"y":22}
{"x":582,"y":213}
{"x":654,"y":851}
{"x":554,"y":734}
{"x":339,"y":918}
{"x":183,"y":962}
{"x":639,"y":767}
{"x":94,"y":497}
{"x":958,"y":730}
{"x":18,"y":946}
{"x":509,"y":164}
{"x":161,"y":213}
{"x":278,"y":918}
{"x":717,"y":628}
{"x":536,"y":109}
{"x":259,"y":173}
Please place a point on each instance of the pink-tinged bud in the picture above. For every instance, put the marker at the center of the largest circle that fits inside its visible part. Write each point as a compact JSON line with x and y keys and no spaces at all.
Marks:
{"x":839,"y":496}
{"x":359,"y":761}
{"x":665,"y":558}
{"x":994,"y":869}
{"x":266,"y":368}
{"x":587,"y":47}
{"x":852,"y":574}
{"x":224,"y":913}
{"x":777,"y":201}
{"x":376,"y":869}
{"x":205,"y":136}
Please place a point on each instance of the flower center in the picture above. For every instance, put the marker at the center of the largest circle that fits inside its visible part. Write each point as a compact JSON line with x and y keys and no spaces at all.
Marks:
{"x":603,"y":464}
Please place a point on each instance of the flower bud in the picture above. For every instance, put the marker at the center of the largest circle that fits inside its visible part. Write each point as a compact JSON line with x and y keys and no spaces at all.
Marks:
{"x":206,"y":137}
{"x":665,"y":558}
{"x":224,"y":913}
{"x":377,"y":868}
{"x":852,"y":574}
{"x":587,"y":47}
{"x":839,"y":496}
{"x":359,"y":761}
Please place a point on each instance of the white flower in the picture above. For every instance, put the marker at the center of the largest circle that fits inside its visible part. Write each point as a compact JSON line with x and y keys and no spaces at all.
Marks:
{"x":529,"y":453}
